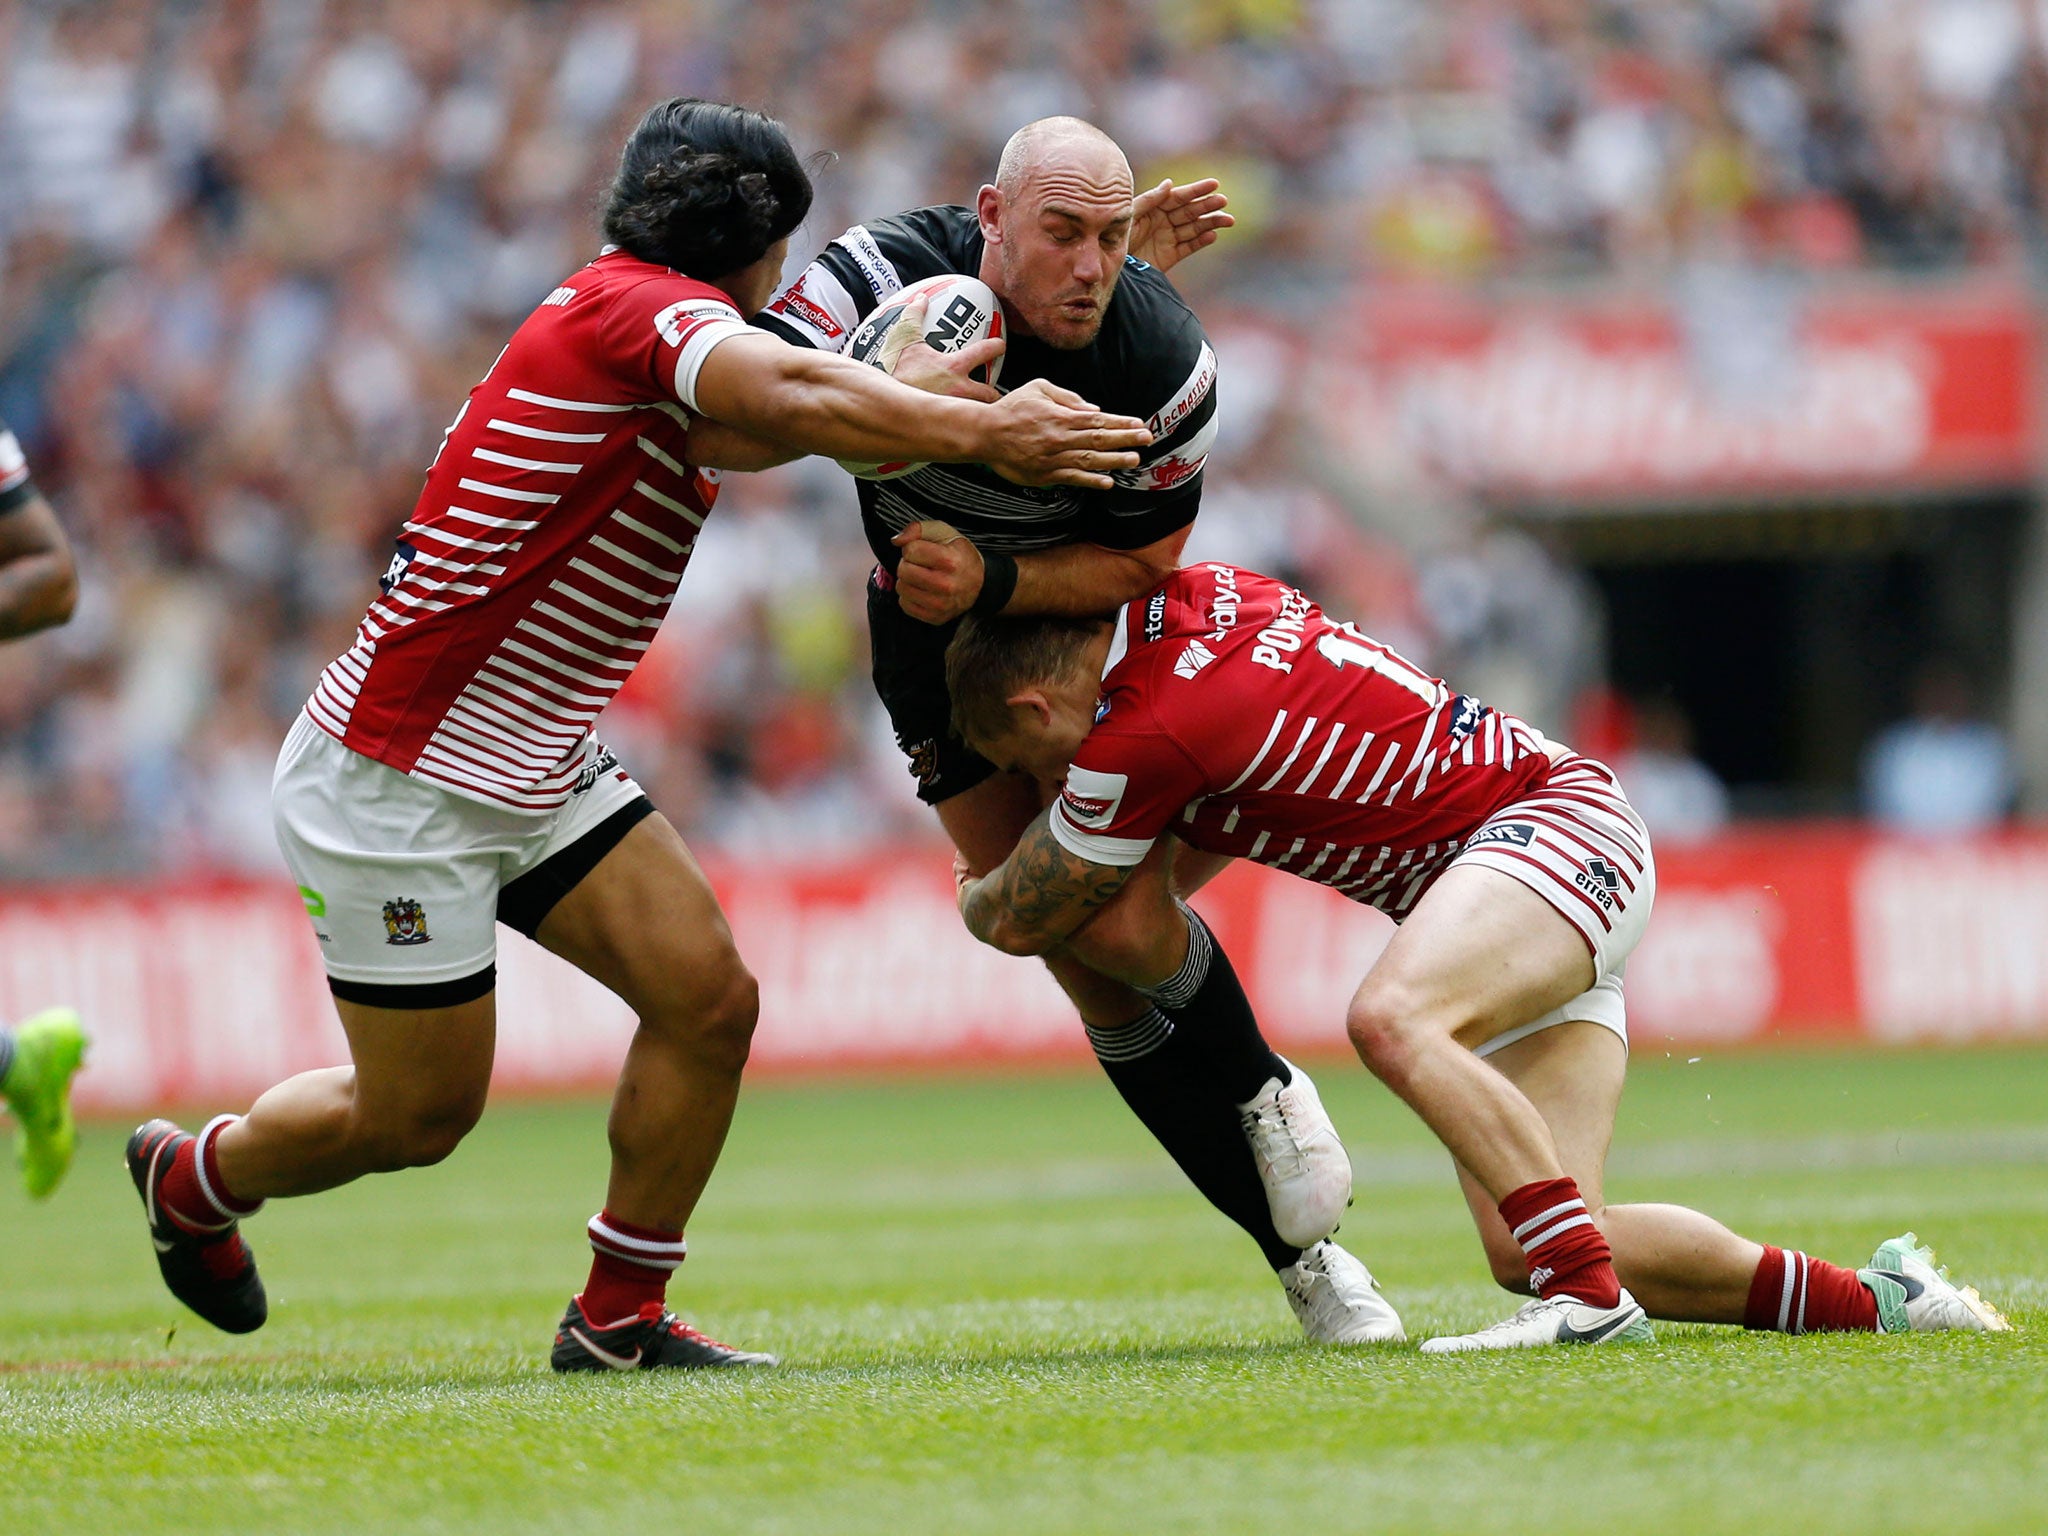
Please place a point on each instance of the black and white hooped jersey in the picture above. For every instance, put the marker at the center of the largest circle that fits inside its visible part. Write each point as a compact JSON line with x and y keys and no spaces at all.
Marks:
{"x":1150,"y":360}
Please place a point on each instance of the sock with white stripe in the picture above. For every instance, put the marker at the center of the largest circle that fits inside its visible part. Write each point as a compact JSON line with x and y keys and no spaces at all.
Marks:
{"x":629,"y":1269}
{"x":1567,"y":1254}
{"x":1161,"y":1073}
{"x":193,"y":1193}
{"x":1796,"y":1294}
{"x":1207,"y":1004}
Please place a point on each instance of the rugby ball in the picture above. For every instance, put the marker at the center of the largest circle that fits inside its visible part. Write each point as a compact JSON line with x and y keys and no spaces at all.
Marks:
{"x":959,"y":311}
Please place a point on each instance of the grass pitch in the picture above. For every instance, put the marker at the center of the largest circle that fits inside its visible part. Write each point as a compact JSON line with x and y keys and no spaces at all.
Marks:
{"x":1002,"y":1311}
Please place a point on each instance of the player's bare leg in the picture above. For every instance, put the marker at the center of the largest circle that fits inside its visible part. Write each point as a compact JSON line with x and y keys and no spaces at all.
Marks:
{"x":1481,"y":954}
{"x":1679,"y":1263}
{"x":646,"y":924}
{"x":415,"y":1087}
{"x":1245,"y":1126}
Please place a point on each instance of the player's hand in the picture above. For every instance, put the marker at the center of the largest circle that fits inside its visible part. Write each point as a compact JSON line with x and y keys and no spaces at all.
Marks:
{"x":1041,"y":434}
{"x":1170,"y":222}
{"x":908,"y":360}
{"x":939,"y":576}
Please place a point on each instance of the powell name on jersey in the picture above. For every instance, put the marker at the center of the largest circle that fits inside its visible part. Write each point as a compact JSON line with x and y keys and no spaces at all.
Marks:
{"x":1150,"y":360}
{"x":1243,"y":719}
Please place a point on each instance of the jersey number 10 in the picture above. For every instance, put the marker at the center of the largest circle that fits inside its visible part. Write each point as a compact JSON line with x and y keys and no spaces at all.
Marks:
{"x":1345,"y":646}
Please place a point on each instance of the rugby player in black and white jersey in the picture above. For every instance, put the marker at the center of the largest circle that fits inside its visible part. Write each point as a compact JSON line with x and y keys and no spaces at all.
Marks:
{"x":1079,"y":265}
{"x":38,"y":589}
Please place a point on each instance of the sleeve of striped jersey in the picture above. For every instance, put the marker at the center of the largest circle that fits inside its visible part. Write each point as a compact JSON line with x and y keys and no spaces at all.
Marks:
{"x":664,"y":330}
{"x":1123,"y":790}
{"x":1162,"y":494}
{"x":853,"y":274}
{"x":15,"y":486}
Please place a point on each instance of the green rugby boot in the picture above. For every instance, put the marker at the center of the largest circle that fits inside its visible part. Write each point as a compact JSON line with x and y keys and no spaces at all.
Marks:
{"x":47,"y":1051}
{"x":1915,"y":1297}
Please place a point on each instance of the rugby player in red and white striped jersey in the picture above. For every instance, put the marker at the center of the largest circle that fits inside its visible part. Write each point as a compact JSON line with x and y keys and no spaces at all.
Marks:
{"x":444,"y":776}
{"x":1227,"y":709}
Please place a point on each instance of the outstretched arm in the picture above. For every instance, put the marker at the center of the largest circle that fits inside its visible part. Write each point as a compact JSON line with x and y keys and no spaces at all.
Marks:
{"x":1038,"y":895}
{"x":821,"y":403}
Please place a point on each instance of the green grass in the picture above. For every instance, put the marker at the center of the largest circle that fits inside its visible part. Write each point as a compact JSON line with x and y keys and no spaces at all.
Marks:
{"x":1001,"y":1311}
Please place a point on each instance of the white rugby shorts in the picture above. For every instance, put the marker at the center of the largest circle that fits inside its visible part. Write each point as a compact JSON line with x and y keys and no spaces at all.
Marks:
{"x":406,"y":883}
{"x":1580,"y":845}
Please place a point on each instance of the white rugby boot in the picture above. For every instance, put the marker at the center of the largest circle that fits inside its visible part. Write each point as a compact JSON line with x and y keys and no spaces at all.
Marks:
{"x":1300,"y":1160}
{"x":1915,"y":1297}
{"x":1557,"y":1320}
{"x":1337,"y":1299}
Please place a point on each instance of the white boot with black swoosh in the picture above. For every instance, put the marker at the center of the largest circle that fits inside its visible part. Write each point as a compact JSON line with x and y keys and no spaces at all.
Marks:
{"x":1554,"y":1320}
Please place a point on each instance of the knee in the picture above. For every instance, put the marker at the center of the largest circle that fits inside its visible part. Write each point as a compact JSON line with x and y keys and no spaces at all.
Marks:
{"x":1385,"y":1028}
{"x":421,"y":1134}
{"x":714,"y":1021}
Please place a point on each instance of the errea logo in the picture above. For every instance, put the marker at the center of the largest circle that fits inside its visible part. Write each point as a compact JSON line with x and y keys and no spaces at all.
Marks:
{"x":1193,"y":659}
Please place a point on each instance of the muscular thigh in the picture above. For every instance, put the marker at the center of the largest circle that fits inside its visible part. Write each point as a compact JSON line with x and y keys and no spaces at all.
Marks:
{"x":645,"y":922}
{"x":420,"y":1064}
{"x":1480,"y":954}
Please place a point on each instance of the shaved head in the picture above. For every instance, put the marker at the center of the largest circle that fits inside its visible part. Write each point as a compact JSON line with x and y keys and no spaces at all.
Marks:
{"x":1061,"y":144}
{"x":1057,"y":222}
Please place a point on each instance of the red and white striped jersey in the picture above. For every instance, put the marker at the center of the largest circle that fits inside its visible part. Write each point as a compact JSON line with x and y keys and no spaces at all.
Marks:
{"x":545,"y":548}
{"x":1238,"y":716}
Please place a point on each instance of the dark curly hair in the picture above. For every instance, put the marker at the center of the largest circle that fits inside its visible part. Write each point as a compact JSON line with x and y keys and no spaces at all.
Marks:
{"x":706,"y":188}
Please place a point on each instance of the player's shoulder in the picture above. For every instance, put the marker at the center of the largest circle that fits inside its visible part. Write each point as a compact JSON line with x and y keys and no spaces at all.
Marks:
{"x":620,"y":278}
{"x":1156,"y":333}
{"x":892,"y":252}
{"x":1153,"y":346}
{"x":1153,"y":630}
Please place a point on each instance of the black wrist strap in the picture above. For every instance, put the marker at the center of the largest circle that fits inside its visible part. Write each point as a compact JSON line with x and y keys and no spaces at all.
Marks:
{"x":998,"y":581}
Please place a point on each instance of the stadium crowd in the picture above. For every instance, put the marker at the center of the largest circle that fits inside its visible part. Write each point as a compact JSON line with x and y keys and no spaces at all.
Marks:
{"x":253,"y":253}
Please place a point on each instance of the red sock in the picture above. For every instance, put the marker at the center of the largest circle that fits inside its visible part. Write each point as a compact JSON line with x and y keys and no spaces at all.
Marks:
{"x":1795,"y":1294}
{"x":192,"y":1192}
{"x":631,"y":1268}
{"x":1567,"y":1254}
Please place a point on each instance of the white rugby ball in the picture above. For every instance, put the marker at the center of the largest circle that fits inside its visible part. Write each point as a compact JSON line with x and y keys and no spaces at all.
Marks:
{"x":959,"y":311}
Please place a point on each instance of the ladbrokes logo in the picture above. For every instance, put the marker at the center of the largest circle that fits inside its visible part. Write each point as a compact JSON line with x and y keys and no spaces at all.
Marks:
{"x":1091,"y":799}
{"x":1193,"y":659}
{"x":1086,"y":809}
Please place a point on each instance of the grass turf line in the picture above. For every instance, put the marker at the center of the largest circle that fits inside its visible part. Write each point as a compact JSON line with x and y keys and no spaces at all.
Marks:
{"x":1003,"y":1311}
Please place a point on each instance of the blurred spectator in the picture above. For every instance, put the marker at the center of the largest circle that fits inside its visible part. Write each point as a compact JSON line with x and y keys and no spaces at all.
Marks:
{"x":1680,"y":798}
{"x":1943,"y":770}
{"x":253,"y":253}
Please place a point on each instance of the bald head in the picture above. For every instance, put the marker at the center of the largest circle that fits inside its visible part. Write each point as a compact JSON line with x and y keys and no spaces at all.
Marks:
{"x":1061,"y":145}
{"x":1057,"y":223}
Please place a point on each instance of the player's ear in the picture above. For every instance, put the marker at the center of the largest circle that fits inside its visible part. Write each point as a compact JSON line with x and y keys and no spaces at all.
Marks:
{"x":988,"y":208}
{"x":1036,"y":706}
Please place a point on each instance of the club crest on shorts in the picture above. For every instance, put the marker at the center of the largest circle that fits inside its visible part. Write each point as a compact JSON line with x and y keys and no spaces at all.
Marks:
{"x":405,"y":922}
